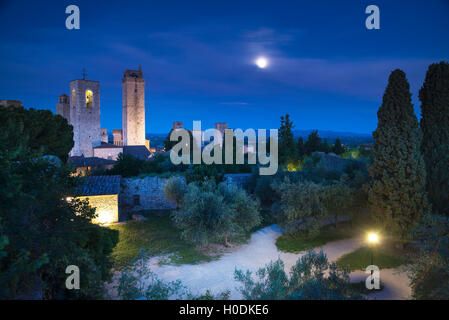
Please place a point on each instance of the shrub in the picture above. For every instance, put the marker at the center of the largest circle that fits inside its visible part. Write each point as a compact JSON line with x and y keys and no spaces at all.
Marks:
{"x":174,"y":189}
{"x":208,"y":213}
{"x":301,"y":206}
{"x":264,"y":190}
{"x":307,"y":281}
{"x":429,"y":271}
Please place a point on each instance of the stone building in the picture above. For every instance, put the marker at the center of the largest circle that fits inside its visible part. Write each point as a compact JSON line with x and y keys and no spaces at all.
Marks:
{"x":91,"y":165}
{"x":10,"y":103}
{"x":107,"y":151}
{"x":84,"y":116}
{"x":82,"y":111}
{"x":63,"y":107}
{"x":104,"y":137}
{"x":133,"y":88}
{"x":118,"y":137}
{"x":177,"y":125}
{"x":103,"y":195}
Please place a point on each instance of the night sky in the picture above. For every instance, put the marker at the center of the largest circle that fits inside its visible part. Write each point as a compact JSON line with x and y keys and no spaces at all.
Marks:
{"x":325,"y":68}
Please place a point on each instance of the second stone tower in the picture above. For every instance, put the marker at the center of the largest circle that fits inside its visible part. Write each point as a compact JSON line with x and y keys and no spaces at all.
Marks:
{"x":133,"y":90}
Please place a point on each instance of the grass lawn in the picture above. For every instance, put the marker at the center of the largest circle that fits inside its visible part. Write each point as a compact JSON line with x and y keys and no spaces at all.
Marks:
{"x":361,"y":258}
{"x":158,"y":234}
{"x":296,"y":244}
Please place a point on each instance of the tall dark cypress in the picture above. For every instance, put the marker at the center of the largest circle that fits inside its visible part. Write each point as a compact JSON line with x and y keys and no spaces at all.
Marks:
{"x":397,"y":193}
{"x":434,"y":96}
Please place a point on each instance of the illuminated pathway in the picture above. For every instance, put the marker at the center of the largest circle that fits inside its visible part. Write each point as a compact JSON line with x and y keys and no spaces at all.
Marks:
{"x":218,"y":275}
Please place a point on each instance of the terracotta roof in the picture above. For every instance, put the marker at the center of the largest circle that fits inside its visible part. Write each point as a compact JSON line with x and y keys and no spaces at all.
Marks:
{"x":99,"y":185}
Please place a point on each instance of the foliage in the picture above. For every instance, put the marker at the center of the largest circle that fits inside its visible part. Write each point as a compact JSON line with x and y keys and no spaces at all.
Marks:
{"x":127,"y":166}
{"x":397,"y":192}
{"x":301,"y":206}
{"x":301,"y":148}
{"x":326,"y":234}
{"x":137,"y":281}
{"x":308,"y":280}
{"x":434,"y":96}
{"x":286,"y":143}
{"x":338,"y":199}
{"x":41,"y":131}
{"x":264,"y":191}
{"x":208,"y":213}
{"x":174,"y":189}
{"x":313,"y":143}
{"x":429,"y":272}
{"x":46,"y":233}
{"x":338,"y":148}
{"x":158,"y":233}
{"x":204,"y":172}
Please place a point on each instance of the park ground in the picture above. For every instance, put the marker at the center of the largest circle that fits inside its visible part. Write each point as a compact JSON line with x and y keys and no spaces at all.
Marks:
{"x":171,"y":258}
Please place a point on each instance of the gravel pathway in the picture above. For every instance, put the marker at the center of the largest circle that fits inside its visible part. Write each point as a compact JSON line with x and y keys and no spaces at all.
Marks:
{"x":218,"y":275}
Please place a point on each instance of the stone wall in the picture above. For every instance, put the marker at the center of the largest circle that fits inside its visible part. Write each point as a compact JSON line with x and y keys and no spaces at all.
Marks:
{"x":107,"y":208}
{"x":148,"y":191}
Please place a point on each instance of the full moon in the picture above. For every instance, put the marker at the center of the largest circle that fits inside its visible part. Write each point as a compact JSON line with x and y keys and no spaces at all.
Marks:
{"x":262,"y":62}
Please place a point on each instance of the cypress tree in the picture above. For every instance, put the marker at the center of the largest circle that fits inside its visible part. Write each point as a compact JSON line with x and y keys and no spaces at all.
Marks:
{"x":397,"y":193}
{"x":338,"y":148}
{"x":301,"y":148}
{"x":286,"y":142}
{"x":434,"y":96}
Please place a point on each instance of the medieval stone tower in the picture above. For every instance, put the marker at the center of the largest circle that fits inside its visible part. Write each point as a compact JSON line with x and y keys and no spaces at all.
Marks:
{"x":85,"y":116}
{"x":133,"y":89}
{"x":63,"y":107}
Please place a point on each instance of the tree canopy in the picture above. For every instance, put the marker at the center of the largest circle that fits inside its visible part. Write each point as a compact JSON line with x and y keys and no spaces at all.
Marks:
{"x":41,"y":131}
{"x":397,"y":193}
{"x":434,"y":96}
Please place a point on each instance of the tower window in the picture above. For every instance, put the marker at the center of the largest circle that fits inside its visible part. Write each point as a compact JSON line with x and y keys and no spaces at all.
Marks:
{"x":136,"y":200}
{"x":73,"y":97}
{"x":89,"y":98}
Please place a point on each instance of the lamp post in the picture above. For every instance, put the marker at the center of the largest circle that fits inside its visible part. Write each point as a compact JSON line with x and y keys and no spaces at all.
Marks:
{"x":373,"y":239}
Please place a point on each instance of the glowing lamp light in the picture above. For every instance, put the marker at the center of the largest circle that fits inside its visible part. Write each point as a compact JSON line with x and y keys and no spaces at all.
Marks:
{"x":373,"y":238}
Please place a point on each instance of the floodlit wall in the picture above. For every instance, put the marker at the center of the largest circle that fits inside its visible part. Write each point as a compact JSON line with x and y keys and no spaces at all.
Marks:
{"x":106,"y":208}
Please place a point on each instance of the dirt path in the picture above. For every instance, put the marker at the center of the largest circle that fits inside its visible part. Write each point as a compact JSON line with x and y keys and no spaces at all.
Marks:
{"x":218,"y":275}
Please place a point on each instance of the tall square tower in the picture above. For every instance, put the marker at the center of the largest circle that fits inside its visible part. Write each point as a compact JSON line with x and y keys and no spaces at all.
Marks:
{"x":85,"y":116}
{"x":63,"y":107}
{"x":133,"y":89}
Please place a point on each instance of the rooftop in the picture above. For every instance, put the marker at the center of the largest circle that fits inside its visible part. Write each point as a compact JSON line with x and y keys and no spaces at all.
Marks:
{"x":81,"y":161}
{"x":140,"y":152}
{"x":107,"y":145}
{"x":99,"y":185}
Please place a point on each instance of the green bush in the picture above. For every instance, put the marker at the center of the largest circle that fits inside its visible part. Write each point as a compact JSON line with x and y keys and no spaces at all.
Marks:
{"x":209,"y":213}
{"x":308,"y":280}
{"x":174,"y":189}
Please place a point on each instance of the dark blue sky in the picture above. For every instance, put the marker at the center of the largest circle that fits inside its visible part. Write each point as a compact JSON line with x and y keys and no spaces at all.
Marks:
{"x":326,"y":69}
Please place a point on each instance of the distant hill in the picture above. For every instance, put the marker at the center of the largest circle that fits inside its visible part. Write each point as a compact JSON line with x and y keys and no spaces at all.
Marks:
{"x":157,"y":139}
{"x":330,"y":136}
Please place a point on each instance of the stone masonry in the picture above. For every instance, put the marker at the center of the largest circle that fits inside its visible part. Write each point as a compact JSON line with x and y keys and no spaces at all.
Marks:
{"x":133,"y":89}
{"x":85,"y":116}
{"x":144,"y":194}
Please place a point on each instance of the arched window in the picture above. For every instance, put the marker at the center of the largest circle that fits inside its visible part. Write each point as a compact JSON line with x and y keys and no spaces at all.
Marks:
{"x":89,"y":98}
{"x":73,"y":97}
